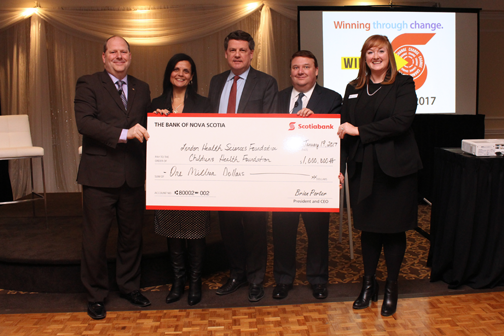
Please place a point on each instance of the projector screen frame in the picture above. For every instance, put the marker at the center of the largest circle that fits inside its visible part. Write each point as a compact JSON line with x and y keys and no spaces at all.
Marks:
{"x":460,"y":73}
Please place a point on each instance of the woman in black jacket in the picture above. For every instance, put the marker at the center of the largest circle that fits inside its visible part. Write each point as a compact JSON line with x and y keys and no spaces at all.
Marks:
{"x":382,"y":157}
{"x":185,"y":229}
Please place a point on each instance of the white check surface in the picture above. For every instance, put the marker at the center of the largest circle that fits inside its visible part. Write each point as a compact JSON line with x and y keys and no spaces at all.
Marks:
{"x":243,"y":162}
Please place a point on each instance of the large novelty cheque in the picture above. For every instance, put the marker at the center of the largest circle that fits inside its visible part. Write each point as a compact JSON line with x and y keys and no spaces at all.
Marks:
{"x":242,"y":162}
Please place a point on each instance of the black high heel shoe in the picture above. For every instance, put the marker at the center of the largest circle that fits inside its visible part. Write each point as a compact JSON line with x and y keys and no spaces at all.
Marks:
{"x":196,"y":251}
{"x":369,"y":292}
{"x":194,"y":295}
{"x":390,"y":298}
{"x":176,"y":291}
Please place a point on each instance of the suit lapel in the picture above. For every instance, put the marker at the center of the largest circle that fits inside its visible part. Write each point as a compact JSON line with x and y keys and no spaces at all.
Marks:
{"x":284,"y":101}
{"x":352,"y":104}
{"x":221,"y":81}
{"x":385,"y":91}
{"x":247,"y":90}
{"x":131,"y":92}
{"x":112,"y":90}
{"x":315,"y":98}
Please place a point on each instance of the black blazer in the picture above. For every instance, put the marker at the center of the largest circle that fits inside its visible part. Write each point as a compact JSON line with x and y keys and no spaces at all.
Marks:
{"x":100,"y":117}
{"x":258,"y":96}
{"x":322,"y":101}
{"x":198,"y":105}
{"x":389,"y":128}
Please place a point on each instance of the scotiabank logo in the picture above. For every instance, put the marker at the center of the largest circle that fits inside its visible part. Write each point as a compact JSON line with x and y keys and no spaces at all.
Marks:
{"x":409,"y":59}
{"x":315,"y":126}
{"x":292,"y":126}
{"x":310,"y":126}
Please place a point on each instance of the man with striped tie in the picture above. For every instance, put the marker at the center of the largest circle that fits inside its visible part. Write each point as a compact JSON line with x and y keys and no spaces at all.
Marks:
{"x":111,"y":114}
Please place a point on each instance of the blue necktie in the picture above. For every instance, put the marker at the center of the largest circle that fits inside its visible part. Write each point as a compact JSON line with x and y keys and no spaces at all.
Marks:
{"x":299,"y":104}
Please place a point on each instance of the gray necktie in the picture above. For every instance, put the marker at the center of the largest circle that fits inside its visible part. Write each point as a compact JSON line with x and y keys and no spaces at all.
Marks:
{"x":299,"y":103}
{"x":122,"y":94}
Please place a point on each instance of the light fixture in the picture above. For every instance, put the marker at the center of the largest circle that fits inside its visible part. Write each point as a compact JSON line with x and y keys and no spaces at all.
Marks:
{"x":253,"y":5}
{"x":30,"y":11}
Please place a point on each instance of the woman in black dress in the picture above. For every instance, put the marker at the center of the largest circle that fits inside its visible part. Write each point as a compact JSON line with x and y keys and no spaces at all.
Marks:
{"x":185,"y":230}
{"x":382,"y":157}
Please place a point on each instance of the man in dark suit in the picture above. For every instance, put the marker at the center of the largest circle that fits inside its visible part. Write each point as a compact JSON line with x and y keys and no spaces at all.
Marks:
{"x":304,"y":98}
{"x":242,"y":89}
{"x":111,"y":114}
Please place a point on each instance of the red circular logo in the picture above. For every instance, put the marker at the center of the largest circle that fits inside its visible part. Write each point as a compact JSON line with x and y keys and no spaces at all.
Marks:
{"x":415,"y":59}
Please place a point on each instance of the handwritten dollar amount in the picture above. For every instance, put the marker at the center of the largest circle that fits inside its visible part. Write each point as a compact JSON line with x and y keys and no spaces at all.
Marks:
{"x":191,"y":193}
{"x":313,"y":160}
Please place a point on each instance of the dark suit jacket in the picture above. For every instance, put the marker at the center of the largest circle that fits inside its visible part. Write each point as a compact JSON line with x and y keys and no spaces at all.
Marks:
{"x":322,"y":101}
{"x":285,"y":224}
{"x":258,"y":96}
{"x":198,"y":105}
{"x":100,"y":117}
{"x":389,"y":128}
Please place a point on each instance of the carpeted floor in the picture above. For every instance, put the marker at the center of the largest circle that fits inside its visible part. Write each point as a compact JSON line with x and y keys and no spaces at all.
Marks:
{"x":345,"y":273}
{"x":343,"y":269}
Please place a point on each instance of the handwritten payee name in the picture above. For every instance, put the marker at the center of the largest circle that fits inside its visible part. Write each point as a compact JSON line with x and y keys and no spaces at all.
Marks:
{"x":229,"y":147}
{"x":229,"y":158}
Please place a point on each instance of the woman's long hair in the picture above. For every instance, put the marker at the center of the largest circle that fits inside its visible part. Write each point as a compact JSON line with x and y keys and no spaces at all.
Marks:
{"x":191,"y":89}
{"x":364,"y":71}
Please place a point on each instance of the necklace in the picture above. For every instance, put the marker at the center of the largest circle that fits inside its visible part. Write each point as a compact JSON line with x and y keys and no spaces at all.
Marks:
{"x":175,"y":110}
{"x":371,"y":94}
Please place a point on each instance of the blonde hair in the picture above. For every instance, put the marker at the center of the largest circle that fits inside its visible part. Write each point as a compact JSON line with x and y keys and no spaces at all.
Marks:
{"x":364,"y":71}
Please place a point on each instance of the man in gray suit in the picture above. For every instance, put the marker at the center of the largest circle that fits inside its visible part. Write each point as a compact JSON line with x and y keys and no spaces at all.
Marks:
{"x":304,"y":98}
{"x":242,"y":89}
{"x":111,"y":114}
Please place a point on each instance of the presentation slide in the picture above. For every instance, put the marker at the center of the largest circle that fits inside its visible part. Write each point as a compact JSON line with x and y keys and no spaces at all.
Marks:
{"x":438,"y":47}
{"x":423,"y":44}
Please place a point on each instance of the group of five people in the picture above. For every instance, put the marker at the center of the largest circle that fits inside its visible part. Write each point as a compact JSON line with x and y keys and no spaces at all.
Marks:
{"x":378,"y":148}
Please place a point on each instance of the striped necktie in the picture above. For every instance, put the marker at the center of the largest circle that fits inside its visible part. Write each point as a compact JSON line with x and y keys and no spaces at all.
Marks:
{"x":122,"y":94}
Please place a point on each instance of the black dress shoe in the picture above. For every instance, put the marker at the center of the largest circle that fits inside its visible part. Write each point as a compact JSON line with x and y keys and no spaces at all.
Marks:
{"x":256,"y":292}
{"x":281,"y":291}
{"x":136,"y":298}
{"x":96,"y":310}
{"x":230,"y":286}
{"x":319,"y":291}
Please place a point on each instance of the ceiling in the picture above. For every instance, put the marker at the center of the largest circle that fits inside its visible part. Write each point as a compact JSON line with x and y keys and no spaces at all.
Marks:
{"x":484,"y":4}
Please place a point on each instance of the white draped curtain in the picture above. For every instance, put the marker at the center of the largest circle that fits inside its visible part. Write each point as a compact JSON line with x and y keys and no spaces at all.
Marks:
{"x":42,"y":56}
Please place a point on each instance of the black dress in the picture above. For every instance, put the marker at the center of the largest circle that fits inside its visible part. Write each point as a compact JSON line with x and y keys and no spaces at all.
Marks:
{"x":182,"y":224}
{"x":392,"y":205}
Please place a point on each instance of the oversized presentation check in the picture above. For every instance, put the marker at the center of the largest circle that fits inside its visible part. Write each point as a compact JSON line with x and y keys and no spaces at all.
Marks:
{"x":253,"y":162}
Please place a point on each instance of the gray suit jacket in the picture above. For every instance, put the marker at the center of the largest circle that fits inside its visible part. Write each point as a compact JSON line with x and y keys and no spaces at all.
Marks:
{"x":322,"y":101}
{"x":258,"y":96}
{"x":100,"y":117}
